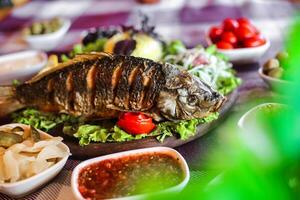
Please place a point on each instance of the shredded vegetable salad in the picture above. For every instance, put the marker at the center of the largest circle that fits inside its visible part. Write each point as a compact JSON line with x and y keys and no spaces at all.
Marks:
{"x":210,"y":66}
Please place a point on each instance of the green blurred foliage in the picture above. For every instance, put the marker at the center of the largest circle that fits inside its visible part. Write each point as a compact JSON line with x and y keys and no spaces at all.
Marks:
{"x":264,"y":165}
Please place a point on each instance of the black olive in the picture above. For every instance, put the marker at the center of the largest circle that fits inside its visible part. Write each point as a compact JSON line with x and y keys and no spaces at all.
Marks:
{"x":125,"y":47}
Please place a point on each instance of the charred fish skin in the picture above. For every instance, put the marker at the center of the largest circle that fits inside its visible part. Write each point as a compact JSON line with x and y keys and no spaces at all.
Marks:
{"x":56,"y":91}
{"x":100,"y":85}
{"x":128,"y":83}
{"x":96,"y":87}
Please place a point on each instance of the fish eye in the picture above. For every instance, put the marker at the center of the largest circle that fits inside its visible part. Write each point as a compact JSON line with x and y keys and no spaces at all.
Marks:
{"x":192,"y":100}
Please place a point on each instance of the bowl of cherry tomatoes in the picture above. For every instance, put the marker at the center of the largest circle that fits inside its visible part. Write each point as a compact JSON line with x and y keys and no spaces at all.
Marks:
{"x":239,"y":40}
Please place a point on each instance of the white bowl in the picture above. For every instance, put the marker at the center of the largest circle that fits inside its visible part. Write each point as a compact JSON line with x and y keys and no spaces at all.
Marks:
{"x":23,"y":69}
{"x":248,"y":120}
{"x":48,"y":41}
{"x":257,"y":137}
{"x":244,"y":55}
{"x":273,"y":82}
{"x":27,"y":186}
{"x":166,"y":150}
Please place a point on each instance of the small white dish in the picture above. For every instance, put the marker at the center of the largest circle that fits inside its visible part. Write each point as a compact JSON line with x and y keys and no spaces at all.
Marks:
{"x":273,"y":82}
{"x":21,"y":65}
{"x":27,"y":186}
{"x":248,"y":120}
{"x":244,"y":55}
{"x":258,"y":137}
{"x":165,"y":150}
{"x":49,"y":41}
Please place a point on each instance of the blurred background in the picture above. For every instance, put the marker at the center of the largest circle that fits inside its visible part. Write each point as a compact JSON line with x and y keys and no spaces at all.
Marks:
{"x":174,"y":19}
{"x":247,"y":167}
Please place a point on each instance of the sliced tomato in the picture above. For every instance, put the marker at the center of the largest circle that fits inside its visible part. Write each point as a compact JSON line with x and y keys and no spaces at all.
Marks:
{"x":224,"y":45}
{"x":254,"y":41}
{"x":229,"y":37}
{"x":230,"y":24}
{"x":136,"y":123}
{"x":215,"y":33}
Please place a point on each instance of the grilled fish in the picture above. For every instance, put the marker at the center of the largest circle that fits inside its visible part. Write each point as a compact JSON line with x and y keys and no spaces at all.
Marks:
{"x":100,"y":85}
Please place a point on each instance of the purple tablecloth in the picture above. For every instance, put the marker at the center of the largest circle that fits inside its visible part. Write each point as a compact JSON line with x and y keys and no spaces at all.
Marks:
{"x":174,"y":19}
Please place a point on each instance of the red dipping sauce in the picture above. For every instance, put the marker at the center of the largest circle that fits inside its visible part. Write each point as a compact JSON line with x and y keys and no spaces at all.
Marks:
{"x":130,"y":175}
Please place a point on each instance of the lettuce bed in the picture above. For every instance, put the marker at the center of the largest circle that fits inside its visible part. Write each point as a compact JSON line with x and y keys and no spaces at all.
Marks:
{"x":95,"y":132}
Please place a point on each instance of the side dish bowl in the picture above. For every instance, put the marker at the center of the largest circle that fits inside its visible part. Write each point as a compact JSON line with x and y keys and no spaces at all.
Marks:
{"x":21,"y":188}
{"x":48,"y":41}
{"x":248,"y":120}
{"x":162,"y":150}
{"x":273,"y":82}
{"x":244,"y":55}
{"x":21,"y":65}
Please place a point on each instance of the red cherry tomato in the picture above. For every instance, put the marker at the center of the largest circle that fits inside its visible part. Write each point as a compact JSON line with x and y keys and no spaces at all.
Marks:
{"x":230,"y":24}
{"x":254,"y":41}
{"x":215,"y":33}
{"x":244,"y":32}
{"x":229,"y":37}
{"x":224,"y":45}
{"x":135,"y":123}
{"x":250,"y":27}
{"x":243,"y":20}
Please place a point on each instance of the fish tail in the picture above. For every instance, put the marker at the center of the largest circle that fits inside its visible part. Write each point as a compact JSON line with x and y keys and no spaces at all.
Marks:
{"x":8,"y":101}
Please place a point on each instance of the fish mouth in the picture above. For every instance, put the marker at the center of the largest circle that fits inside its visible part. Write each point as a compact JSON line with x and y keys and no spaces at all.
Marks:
{"x":219,"y":104}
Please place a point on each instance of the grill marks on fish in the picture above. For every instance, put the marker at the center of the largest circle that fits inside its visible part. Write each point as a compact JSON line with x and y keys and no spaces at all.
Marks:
{"x":121,"y":98}
{"x":136,"y":89}
{"x":100,"y":91}
{"x":135,"y":82}
{"x":90,"y":79}
{"x":59,"y":93}
{"x":81,"y":91}
{"x":50,"y":89}
{"x":116,"y":76}
{"x":70,"y":92}
{"x":98,"y":86}
{"x":132,"y":75}
{"x":107,"y":76}
{"x":140,"y":87}
{"x":153,"y":79}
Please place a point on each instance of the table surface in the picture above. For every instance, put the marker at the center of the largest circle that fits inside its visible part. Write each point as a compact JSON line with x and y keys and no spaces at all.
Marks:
{"x":174,"y":19}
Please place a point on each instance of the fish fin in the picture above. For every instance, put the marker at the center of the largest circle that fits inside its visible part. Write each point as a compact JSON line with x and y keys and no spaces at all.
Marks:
{"x":8,"y":102}
{"x":78,"y":58}
{"x":93,"y":54}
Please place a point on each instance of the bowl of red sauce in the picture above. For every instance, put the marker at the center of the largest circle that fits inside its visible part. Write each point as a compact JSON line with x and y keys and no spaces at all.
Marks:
{"x":130,"y":174}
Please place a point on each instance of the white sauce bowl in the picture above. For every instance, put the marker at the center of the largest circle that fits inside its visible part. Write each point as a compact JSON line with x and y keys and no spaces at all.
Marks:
{"x":21,"y":66}
{"x":164,"y":150}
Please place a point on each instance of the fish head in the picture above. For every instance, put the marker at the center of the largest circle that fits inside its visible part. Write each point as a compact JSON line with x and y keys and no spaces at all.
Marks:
{"x":187,"y":97}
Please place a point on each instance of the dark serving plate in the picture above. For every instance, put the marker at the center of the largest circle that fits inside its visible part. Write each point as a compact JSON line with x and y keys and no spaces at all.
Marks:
{"x":98,"y":149}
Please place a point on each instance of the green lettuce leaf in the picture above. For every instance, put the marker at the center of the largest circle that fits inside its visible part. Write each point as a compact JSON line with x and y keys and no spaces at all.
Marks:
{"x":227,"y":84}
{"x":120,"y":136}
{"x":87,"y":133}
{"x":97,"y":46}
{"x":187,"y":129}
{"x":42,"y":120}
{"x":91,"y":133}
{"x":174,"y":47}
